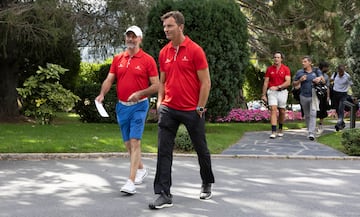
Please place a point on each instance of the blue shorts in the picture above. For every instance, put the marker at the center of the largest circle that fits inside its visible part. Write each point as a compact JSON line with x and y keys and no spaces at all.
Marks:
{"x":131,"y":119}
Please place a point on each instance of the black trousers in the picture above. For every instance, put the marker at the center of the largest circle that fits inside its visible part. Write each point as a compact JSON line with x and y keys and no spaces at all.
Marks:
{"x":323,"y":107}
{"x":169,"y":121}
{"x":338,"y":100}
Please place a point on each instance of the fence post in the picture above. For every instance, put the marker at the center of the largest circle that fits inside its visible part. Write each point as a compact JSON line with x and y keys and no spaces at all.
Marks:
{"x":352,"y":113}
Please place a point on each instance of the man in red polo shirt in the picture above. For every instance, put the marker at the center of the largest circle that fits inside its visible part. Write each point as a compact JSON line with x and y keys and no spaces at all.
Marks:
{"x":183,"y":93}
{"x":132,"y":70}
{"x":275,"y":93}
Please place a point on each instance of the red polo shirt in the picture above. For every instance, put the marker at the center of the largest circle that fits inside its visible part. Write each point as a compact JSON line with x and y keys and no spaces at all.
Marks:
{"x":132,"y":73}
{"x":277,"y":77}
{"x":182,"y":85}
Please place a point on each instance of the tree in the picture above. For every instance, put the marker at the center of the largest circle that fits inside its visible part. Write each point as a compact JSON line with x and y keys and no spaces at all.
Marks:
{"x":300,"y":27}
{"x":353,"y":57}
{"x":224,"y":41}
{"x":32,"y":33}
{"x":101,"y":24}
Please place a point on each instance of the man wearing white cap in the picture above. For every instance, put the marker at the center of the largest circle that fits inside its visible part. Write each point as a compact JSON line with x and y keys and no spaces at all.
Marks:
{"x":132,"y":69}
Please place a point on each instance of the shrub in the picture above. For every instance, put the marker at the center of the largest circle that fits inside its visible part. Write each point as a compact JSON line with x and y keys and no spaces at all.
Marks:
{"x":351,"y":141}
{"x":86,"y":109}
{"x":182,"y":140}
{"x":43,"y":95}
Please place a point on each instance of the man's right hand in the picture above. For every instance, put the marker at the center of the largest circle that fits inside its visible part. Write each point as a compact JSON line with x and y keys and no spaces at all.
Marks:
{"x":264,"y":98}
{"x":99,"y":98}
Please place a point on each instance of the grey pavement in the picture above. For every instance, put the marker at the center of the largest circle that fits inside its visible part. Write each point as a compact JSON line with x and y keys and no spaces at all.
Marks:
{"x":294,"y":143}
{"x":244,"y":187}
{"x":283,"y":177}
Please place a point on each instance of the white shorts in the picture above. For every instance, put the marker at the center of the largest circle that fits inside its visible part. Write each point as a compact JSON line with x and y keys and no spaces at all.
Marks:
{"x":278,"y":98}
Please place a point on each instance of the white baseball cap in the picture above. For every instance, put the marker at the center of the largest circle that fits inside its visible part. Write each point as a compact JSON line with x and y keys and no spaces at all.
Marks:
{"x":136,"y":30}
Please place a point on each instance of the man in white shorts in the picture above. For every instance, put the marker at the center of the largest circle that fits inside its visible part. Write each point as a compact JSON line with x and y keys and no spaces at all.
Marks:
{"x":276,"y":81}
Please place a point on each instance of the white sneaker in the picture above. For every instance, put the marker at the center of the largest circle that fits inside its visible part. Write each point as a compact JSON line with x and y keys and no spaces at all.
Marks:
{"x":320,"y":129}
{"x":311,"y":137}
{"x":273,"y":136}
{"x":129,"y":187}
{"x":140,"y":175}
{"x":280,"y":133}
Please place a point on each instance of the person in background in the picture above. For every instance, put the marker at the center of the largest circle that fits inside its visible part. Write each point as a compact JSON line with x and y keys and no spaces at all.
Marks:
{"x":275,"y":93}
{"x":133,"y":70}
{"x":307,"y":77}
{"x":342,"y":83}
{"x":183,"y":93}
{"x":324,"y":102}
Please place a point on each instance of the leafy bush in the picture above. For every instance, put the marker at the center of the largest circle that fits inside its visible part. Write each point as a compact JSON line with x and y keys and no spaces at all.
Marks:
{"x":351,"y":141}
{"x":43,"y":95}
{"x":182,"y":140}
{"x":86,"y":108}
{"x":94,"y":72}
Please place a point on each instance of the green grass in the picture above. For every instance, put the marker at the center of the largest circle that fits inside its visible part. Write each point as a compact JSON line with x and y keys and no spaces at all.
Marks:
{"x":68,"y":135}
{"x":332,"y":140}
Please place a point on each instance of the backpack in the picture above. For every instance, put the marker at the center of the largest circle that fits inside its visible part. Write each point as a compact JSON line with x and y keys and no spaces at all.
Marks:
{"x":320,"y":88}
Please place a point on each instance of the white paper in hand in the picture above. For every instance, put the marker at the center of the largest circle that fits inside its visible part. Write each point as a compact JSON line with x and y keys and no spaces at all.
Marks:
{"x":101,"y":109}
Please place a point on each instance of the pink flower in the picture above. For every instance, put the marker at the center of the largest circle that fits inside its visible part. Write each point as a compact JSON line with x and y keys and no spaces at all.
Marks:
{"x":244,"y":115}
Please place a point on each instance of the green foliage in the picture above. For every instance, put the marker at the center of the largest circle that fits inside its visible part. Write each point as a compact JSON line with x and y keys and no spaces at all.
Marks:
{"x":253,"y":83}
{"x":85,"y":107}
{"x":43,"y":95}
{"x":224,"y":41}
{"x":182,"y":140}
{"x":89,"y":84}
{"x":94,"y":73}
{"x":353,"y":56}
{"x":317,"y":28}
{"x":351,"y":141}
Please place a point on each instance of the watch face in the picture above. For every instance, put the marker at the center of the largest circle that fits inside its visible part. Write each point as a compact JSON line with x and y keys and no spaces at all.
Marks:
{"x":201,"y":109}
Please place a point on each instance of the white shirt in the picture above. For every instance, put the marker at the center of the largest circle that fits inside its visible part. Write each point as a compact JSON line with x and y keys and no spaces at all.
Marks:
{"x":343,"y":83}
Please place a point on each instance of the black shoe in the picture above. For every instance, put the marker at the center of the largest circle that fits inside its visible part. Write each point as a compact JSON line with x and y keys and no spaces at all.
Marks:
{"x":205,"y":193}
{"x":340,"y":126}
{"x":164,"y":200}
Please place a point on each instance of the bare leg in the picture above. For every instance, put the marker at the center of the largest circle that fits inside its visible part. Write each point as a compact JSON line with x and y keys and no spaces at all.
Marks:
{"x":134,"y":150}
{"x":273,"y":117}
{"x":281,"y":115}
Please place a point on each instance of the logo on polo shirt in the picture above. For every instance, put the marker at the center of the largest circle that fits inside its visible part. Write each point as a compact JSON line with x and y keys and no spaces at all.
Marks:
{"x":121,"y":65}
{"x":167,"y":60}
{"x":185,"y":59}
{"x":138,"y":68}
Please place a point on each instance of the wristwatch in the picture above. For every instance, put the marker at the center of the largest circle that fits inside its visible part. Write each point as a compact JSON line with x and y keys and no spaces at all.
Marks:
{"x":200,"y":109}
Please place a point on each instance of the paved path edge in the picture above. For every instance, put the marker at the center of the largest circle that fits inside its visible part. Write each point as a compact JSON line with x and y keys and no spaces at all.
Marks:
{"x":58,"y":156}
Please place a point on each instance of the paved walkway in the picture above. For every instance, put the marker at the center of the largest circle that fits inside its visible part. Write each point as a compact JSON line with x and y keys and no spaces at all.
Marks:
{"x":245,"y":187}
{"x":262,"y":182}
{"x":294,"y":144}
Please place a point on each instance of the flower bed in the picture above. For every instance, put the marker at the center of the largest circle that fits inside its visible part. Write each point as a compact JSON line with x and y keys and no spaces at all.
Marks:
{"x":244,"y":115}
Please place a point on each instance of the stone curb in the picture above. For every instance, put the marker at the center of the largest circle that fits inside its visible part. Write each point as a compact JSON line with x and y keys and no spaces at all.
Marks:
{"x":59,"y":156}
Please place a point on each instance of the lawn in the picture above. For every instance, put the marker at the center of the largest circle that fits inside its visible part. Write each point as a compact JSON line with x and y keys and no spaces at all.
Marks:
{"x":68,"y":135}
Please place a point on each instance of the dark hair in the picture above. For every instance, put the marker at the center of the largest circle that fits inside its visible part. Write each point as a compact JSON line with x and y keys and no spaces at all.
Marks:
{"x":177,"y":15}
{"x":323,"y":64}
{"x":281,"y":54}
{"x":307,"y":57}
{"x":341,"y":66}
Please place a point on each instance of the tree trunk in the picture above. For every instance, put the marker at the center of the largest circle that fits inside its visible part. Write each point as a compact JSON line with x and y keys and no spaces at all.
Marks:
{"x":240,"y":101}
{"x":8,"y":95}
